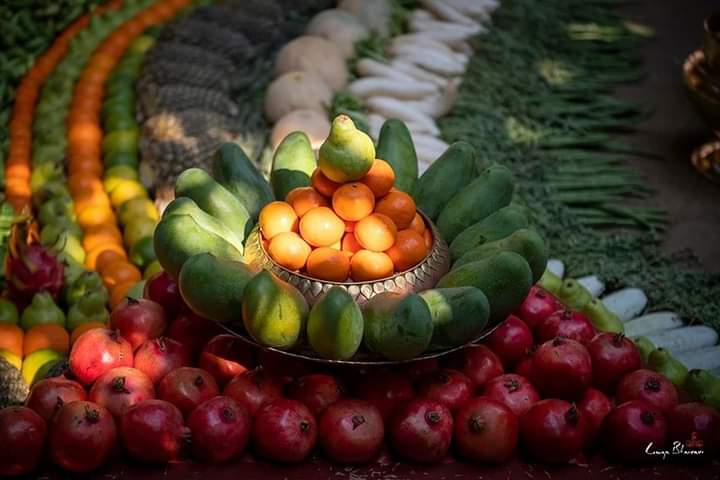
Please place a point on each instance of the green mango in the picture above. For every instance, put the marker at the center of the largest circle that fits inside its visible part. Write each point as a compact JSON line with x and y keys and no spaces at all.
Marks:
{"x":602,"y":319}
{"x":234,"y":171}
{"x":89,"y":308}
{"x":492,"y":228}
{"x":459,"y":315}
{"x":347,"y":153}
{"x":396,"y":147}
{"x":661,"y":361}
{"x":293,"y":164}
{"x":42,"y":311}
{"x":335,"y":325}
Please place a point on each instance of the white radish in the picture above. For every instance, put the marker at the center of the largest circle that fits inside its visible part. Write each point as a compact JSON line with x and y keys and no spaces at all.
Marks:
{"x":706,"y":358}
{"x":424,"y":129}
{"x":426,"y":156}
{"x":430,"y":59}
{"x":447,"y":12}
{"x":389,"y":87}
{"x":408,"y":43}
{"x":441,"y":103}
{"x":427,"y":25}
{"x":394,"y":108}
{"x":627,"y":303}
{"x":653,"y":322}
{"x":367,"y":67}
{"x":419,"y":73}
{"x":421,"y":14}
{"x":592,"y":284}
{"x":375,"y":122}
{"x":433,"y":143}
{"x":556,"y":267}
{"x":452,"y":38}
{"x":684,"y":339}
{"x":472,"y":8}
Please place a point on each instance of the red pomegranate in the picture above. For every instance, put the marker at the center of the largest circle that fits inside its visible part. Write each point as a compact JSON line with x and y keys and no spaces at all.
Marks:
{"x":447,"y":386}
{"x":284,"y":431}
{"x":49,"y":395}
{"x":478,"y":363}
{"x":316,"y":391}
{"x":613,"y":356}
{"x":153,"y":431}
{"x":486,"y":431}
{"x":552,"y":431}
{"x":162,"y":289}
{"x":158,"y":357}
{"x":187,"y":387}
{"x":421,"y":431}
{"x":220,"y":429}
{"x":121,"y":388}
{"x":594,"y":406}
{"x":561,"y":368}
{"x":82,"y":436}
{"x":567,"y":324}
{"x":510,"y":340}
{"x":386,"y":391}
{"x":225,"y":357}
{"x":632,"y":430}
{"x":524,"y":366}
{"x":351,"y":431}
{"x":138,"y":320}
{"x":419,"y":368}
{"x":98,"y":351}
{"x":513,"y":391}
{"x":22,"y":436}
{"x":193,"y":331}
{"x":537,"y":306}
{"x":651,"y":387}
{"x":253,"y":389}
{"x":696,"y":426}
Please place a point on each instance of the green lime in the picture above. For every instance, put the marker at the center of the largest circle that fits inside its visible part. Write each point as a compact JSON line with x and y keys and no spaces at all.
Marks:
{"x":8,"y":312}
{"x":142,"y":252}
{"x":114,"y":159}
{"x":119,"y":121}
{"x":137,"y":229}
{"x":139,"y":207}
{"x":118,"y":174}
{"x":141,"y":44}
{"x":121,"y":141}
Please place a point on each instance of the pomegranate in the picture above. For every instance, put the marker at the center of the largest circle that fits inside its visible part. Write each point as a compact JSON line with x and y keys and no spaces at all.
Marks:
{"x":316,"y":391}
{"x":283,"y":367}
{"x":513,"y":391}
{"x":22,"y":436}
{"x":187,"y":387}
{"x":524,"y":366}
{"x":552,"y":431}
{"x":421,"y":430}
{"x":138,"y":320}
{"x":419,"y":368}
{"x":163,"y":290}
{"x":633,"y":429}
{"x":561,"y":368}
{"x":152,"y":431}
{"x":537,"y":306}
{"x":652,"y":387}
{"x":225,"y":357}
{"x":510,"y":340}
{"x":696,"y":426}
{"x":284,"y":431}
{"x":193,"y":331}
{"x":98,"y":351}
{"x":486,"y":431}
{"x":594,"y":406}
{"x":82,"y":436}
{"x":447,"y":386}
{"x":49,"y":395}
{"x":220,"y":430}
{"x":351,"y":431}
{"x":253,"y":389}
{"x":386,"y":390}
{"x":613,"y":356}
{"x":158,"y":357}
{"x":567,"y":324}
{"x":478,"y":363}
{"x":121,"y":388}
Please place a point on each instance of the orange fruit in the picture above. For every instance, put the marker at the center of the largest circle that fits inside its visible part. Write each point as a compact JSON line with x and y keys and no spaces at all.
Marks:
{"x":11,"y":338}
{"x":95,"y":216}
{"x":353,"y":201}
{"x":91,"y":256}
{"x":366,"y":265}
{"x":399,"y":206}
{"x":427,"y":236}
{"x":289,"y":250}
{"x":108,"y":256}
{"x":120,"y":271}
{"x":418,"y":224}
{"x":277,"y":217}
{"x":328,"y":264}
{"x":350,"y":227}
{"x":84,"y":327}
{"x":323,"y":184}
{"x":320,"y":227}
{"x":350,"y":244}
{"x":101,"y":235}
{"x":119,"y":292}
{"x":409,"y":249}
{"x":54,"y":337}
{"x":303,"y":199}
{"x":380,"y":178}
{"x":376,"y":232}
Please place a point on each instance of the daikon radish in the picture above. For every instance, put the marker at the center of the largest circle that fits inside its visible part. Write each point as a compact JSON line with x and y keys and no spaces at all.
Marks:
{"x":425,"y":129}
{"x":447,"y":12}
{"x":407,"y":43}
{"x":375,"y":122}
{"x":627,"y":303}
{"x":390,"y":87}
{"x":426,"y":156}
{"x":426,"y":25}
{"x":367,"y":67}
{"x":419,"y":73}
{"x":652,"y":322}
{"x":394,"y":108}
{"x":473,"y":8}
{"x":421,"y":14}
{"x":684,"y":339}
{"x":592,"y":284}
{"x":429,"y":141}
{"x":706,"y":358}
{"x":428,"y":58}
{"x":556,"y":267}
{"x":441,"y":103}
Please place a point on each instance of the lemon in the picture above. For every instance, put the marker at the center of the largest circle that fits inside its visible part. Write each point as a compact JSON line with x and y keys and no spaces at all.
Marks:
{"x":118,"y":174}
{"x":137,"y":229}
{"x":36,"y":361}
{"x":127,"y":190}
{"x":11,"y":358}
{"x":138,"y":207}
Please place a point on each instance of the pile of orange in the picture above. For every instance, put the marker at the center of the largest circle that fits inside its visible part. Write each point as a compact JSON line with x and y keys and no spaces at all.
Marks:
{"x":362,"y":231}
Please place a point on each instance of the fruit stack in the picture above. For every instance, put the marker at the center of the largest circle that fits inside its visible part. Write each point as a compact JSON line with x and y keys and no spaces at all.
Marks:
{"x":351,"y":222}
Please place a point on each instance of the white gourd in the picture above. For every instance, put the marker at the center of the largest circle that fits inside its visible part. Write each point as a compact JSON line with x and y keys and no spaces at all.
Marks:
{"x":313,"y":54}
{"x":314,"y":123}
{"x":294,"y":91}
{"x":340,"y":27}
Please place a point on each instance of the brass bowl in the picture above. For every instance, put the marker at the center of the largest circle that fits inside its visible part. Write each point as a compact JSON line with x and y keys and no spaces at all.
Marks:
{"x":422,"y":276}
{"x":706,"y":160}
{"x":703,"y":88}
{"x":711,"y":40}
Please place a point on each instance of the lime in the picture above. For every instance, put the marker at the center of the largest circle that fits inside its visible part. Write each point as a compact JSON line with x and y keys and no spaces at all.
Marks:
{"x":142,"y":44}
{"x":34,"y":363}
{"x":126,"y":190}
{"x":119,"y":121}
{"x":114,"y":159}
{"x":142,"y":252}
{"x":11,"y":358}
{"x":8,"y":312}
{"x":121,"y":141}
{"x":139,"y":207}
{"x":152,"y":268}
{"x":137,"y":229}
{"x":117,"y":108}
{"x":118,"y":174}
